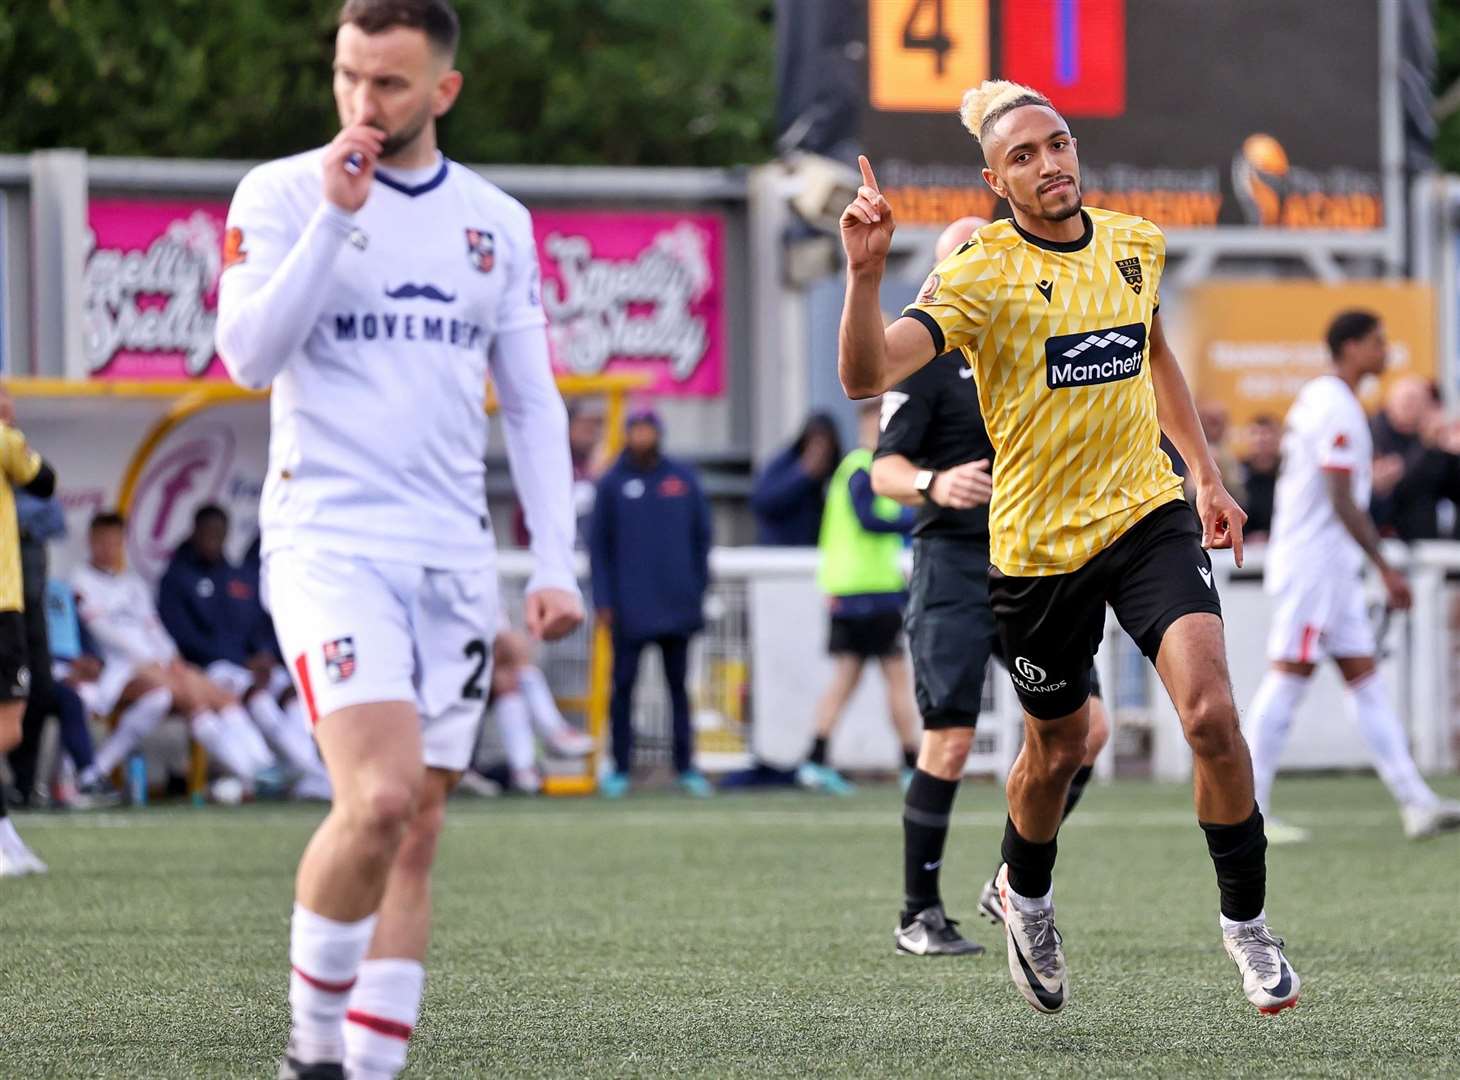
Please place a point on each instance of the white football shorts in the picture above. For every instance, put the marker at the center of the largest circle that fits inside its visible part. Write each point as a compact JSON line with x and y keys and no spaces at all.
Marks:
{"x":1317,"y":618}
{"x":355,"y":630}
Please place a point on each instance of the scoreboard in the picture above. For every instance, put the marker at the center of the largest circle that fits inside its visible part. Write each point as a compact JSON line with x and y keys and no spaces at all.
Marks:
{"x":1194,"y":113}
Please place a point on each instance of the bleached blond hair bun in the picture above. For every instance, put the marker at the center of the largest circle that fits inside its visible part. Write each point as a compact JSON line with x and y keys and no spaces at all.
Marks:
{"x":991,"y":99}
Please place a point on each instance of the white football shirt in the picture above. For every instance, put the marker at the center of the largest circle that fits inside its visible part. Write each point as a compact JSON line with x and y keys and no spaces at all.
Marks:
{"x":118,"y":611}
{"x":377,"y":331}
{"x":1326,"y":431}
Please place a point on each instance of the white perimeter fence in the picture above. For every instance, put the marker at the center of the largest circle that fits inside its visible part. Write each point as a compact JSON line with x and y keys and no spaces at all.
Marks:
{"x":759,"y":666}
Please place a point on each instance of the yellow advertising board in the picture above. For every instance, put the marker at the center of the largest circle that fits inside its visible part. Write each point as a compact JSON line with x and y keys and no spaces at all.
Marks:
{"x":1252,"y":344}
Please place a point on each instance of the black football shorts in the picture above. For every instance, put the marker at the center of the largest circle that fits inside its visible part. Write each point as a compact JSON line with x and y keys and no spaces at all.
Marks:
{"x":951,"y":630}
{"x":1050,"y":626}
{"x":14,"y":658}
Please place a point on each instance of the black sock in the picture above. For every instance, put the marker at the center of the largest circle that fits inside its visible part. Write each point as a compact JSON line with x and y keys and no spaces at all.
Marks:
{"x":1031,"y":865}
{"x":818,"y":751}
{"x":910,"y":758}
{"x":925,"y":811}
{"x":1077,"y":788}
{"x":1239,"y":853}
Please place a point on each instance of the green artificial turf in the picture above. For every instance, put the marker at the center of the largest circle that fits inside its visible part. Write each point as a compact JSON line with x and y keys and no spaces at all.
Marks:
{"x":750,"y":935}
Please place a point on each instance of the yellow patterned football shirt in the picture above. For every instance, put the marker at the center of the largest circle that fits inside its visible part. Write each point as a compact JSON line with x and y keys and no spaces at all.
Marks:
{"x":1057,"y":335}
{"x":20,"y":464}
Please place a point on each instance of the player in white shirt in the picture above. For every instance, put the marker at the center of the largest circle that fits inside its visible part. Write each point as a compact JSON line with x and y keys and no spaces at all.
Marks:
{"x":142,"y":674}
{"x":1321,"y":534}
{"x":375,"y":285}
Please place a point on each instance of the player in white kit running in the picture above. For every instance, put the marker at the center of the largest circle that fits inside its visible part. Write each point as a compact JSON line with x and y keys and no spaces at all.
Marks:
{"x":1321,"y":533}
{"x":373,"y":284}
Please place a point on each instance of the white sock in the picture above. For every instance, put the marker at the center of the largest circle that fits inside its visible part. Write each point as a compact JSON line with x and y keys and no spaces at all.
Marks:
{"x":540,"y":702}
{"x":290,"y":739}
{"x":1031,"y":903}
{"x":384,"y":1007}
{"x":514,"y":724}
{"x":216,"y":738}
{"x":1368,"y":702}
{"x":134,"y":725}
{"x":1269,"y":719}
{"x":325,"y":958}
{"x":1231,"y":926}
{"x":243,"y":732}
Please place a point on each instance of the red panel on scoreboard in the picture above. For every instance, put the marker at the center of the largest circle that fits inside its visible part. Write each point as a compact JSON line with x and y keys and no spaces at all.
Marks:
{"x":1072,"y":50}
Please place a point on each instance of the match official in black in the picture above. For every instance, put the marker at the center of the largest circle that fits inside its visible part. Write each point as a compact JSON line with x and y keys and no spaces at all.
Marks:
{"x":934,"y":454}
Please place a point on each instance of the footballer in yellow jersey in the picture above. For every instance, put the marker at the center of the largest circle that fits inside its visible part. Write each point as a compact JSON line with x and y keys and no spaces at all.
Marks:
{"x":1056,"y":335}
{"x":1056,"y":311}
{"x":20,"y":467}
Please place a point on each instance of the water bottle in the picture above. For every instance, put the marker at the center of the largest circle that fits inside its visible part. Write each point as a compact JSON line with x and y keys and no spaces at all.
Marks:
{"x":137,"y":780}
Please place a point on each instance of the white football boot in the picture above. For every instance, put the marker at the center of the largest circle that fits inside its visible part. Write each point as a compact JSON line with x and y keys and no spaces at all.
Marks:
{"x":1036,"y":953}
{"x":1268,"y":980}
{"x":1422,"y":821}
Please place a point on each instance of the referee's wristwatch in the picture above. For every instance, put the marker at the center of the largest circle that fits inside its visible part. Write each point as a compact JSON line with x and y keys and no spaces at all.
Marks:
{"x":923,"y":483}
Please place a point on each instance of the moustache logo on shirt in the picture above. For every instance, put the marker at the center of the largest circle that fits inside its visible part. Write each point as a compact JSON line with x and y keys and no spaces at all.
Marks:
{"x":409,"y":291}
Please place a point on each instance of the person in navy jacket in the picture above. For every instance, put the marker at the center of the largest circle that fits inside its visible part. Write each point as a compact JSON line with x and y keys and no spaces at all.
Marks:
{"x":211,"y":609}
{"x":790,"y":491}
{"x":649,"y":547}
{"x":208,"y":606}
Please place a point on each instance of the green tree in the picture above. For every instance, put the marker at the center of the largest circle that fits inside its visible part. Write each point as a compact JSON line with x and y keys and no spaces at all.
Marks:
{"x":1447,"y":83}
{"x":622,"y":82}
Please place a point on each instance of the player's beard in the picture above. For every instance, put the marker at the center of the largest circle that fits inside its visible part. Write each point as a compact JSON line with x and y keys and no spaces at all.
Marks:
{"x":1060,"y":212}
{"x":397,"y":141}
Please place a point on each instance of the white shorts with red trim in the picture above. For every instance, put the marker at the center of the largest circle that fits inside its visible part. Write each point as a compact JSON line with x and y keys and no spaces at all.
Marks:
{"x":1317,"y":618}
{"x":357,"y":630}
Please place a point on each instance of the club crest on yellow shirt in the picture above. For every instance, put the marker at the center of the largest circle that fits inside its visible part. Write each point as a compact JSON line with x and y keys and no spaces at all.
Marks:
{"x":1130,"y":269}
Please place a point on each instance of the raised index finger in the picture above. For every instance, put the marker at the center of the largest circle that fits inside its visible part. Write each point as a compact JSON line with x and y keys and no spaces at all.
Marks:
{"x":867,"y":176}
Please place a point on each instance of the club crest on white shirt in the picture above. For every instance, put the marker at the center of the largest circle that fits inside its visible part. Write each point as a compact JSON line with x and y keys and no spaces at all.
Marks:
{"x":339,"y":659}
{"x":481,"y":249}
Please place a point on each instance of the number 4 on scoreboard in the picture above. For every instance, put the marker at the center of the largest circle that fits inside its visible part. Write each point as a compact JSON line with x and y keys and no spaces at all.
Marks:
{"x":923,"y":54}
{"x":924,"y":30}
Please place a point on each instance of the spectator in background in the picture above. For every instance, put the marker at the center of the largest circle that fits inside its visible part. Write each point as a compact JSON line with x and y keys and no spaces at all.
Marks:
{"x":861,"y":575}
{"x":790,"y":492}
{"x":649,"y":544}
{"x":1411,"y":474}
{"x":142,"y":672}
{"x":1259,"y":472}
{"x":75,"y":673}
{"x":524,"y":708}
{"x":211,"y":609}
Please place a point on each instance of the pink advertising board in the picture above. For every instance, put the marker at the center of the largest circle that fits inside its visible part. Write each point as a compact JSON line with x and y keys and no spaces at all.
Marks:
{"x":624,"y":292}
{"x":151,"y":289}
{"x":636,"y":292}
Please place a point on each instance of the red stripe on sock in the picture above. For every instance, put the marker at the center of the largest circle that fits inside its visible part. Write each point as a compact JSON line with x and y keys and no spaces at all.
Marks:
{"x":301,"y":670}
{"x":321,"y":984}
{"x":379,"y":1024}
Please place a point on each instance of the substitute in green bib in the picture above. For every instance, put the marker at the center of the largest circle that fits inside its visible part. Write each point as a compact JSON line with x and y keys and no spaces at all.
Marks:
{"x":861,"y":545}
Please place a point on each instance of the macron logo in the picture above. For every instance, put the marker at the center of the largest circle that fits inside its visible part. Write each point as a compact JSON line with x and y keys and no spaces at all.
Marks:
{"x":1095,"y":356}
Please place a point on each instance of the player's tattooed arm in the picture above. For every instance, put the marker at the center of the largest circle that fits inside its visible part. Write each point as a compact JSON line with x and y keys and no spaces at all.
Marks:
{"x":1221,"y":518}
{"x":870,"y":359}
